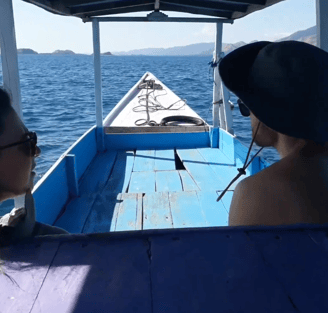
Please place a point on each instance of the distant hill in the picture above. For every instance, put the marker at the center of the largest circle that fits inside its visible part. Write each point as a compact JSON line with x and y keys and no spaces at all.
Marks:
{"x":66,"y":52}
{"x":26,"y":51}
{"x":309,"y":36}
{"x":199,"y":49}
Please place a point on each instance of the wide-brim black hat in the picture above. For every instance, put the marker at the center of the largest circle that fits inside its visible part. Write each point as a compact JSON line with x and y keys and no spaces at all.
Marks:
{"x":285,"y":85}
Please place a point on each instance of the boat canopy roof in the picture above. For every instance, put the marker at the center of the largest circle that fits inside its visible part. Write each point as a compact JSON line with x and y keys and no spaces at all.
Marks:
{"x":228,"y":9}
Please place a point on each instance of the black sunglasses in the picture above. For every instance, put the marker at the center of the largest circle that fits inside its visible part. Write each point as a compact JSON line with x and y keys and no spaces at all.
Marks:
{"x":243,"y":108}
{"x":31,"y":137}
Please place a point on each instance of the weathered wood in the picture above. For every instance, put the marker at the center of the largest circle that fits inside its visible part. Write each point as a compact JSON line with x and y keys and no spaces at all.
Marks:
{"x":200,"y":170}
{"x":168,"y":181}
{"x":23,"y":269}
{"x":76,"y":213}
{"x":142,"y":182}
{"x":215,"y":156}
{"x":97,"y":174}
{"x":186,"y":210}
{"x":139,"y":221}
{"x":218,"y":272}
{"x":156,"y":211}
{"x":164,"y":160}
{"x":215,"y":212}
{"x":103,"y":215}
{"x":156,"y":141}
{"x":144,"y":161}
{"x":97,"y":277}
{"x":155,"y":129}
{"x":120,"y":177}
{"x":304,"y":274}
{"x":183,"y":270}
{"x":127,"y":218}
{"x":188,"y":183}
{"x":226,"y":200}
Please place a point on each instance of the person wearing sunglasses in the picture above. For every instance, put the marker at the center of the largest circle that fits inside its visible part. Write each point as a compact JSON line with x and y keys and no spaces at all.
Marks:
{"x":18,"y":150}
{"x":282,"y":87}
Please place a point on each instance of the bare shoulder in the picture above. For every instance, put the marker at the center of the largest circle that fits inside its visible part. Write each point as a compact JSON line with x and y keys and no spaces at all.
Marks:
{"x":254,"y":199}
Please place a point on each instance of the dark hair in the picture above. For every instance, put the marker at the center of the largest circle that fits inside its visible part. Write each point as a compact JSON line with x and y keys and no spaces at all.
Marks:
{"x":5,"y":108}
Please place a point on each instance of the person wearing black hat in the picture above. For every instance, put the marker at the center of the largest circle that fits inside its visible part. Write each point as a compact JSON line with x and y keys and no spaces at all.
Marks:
{"x":283,"y":87}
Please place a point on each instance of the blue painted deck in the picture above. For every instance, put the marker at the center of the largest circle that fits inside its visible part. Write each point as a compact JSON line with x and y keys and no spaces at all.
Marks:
{"x":152,"y":189}
{"x":227,"y":269}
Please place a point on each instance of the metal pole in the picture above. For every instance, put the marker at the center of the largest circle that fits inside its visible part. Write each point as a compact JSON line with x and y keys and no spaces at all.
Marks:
{"x":10,"y":64}
{"x":226,"y":107}
{"x":322,"y":24}
{"x":98,"y":97}
{"x":9,"y":55}
{"x":218,"y":119}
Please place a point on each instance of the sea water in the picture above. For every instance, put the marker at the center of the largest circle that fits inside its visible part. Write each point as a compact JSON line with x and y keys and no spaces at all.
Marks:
{"x":59,"y":104}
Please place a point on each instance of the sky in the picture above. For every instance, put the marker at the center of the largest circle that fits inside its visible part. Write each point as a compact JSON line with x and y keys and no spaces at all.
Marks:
{"x":45,"y":32}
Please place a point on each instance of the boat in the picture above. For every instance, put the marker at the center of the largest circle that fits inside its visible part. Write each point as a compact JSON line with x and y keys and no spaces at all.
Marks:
{"x":137,"y":193}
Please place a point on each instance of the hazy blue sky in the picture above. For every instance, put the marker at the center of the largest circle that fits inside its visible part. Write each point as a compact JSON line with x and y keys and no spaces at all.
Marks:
{"x":45,"y":32}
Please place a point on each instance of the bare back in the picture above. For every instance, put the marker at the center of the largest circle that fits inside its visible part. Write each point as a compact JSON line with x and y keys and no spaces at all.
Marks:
{"x":293,"y":190}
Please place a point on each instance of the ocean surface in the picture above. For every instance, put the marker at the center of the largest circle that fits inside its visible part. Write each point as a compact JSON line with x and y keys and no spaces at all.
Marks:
{"x":58,"y":95}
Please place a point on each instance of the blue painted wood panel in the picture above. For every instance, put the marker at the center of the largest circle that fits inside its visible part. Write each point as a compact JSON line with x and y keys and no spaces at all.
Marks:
{"x":164,"y":160}
{"x":156,"y":211}
{"x":188,"y":183}
{"x":97,"y":278}
{"x":20,"y":282}
{"x":120,"y":177}
{"x":142,"y":182}
{"x":300,"y":273}
{"x":71,"y":172}
{"x":216,"y":272}
{"x":127,"y":218}
{"x":156,"y":141}
{"x":186,"y":210}
{"x":103,"y":215}
{"x":52,"y":193}
{"x":168,"y":181}
{"x":97,"y":174}
{"x":283,"y":268}
{"x":76,"y":213}
{"x":226,"y":144}
{"x":215,"y":156}
{"x":204,"y":176}
{"x":225,"y":172}
{"x":144,"y":161}
{"x":92,"y":183}
{"x":226,"y":200}
{"x":85,"y":150}
{"x":215,"y":212}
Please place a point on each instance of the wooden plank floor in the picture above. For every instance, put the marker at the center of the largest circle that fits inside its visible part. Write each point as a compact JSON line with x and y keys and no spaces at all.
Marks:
{"x":150,"y":189}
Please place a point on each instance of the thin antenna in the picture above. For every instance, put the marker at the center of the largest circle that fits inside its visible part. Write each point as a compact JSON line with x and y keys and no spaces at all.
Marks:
{"x":156,"y":5}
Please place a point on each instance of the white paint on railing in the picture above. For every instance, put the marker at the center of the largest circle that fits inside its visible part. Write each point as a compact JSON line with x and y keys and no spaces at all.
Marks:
{"x":9,"y":60}
{"x":98,"y":85}
{"x":218,"y":120}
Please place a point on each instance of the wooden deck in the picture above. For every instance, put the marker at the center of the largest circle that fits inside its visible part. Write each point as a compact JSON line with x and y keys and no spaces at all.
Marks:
{"x":226,"y":269}
{"x":151,"y":189}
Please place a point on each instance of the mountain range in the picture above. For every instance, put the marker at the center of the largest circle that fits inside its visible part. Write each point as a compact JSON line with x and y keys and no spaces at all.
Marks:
{"x":309,"y":36}
{"x":199,"y":49}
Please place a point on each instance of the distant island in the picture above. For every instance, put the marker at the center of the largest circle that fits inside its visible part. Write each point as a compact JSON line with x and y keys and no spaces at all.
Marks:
{"x":200,"y":49}
{"x":26,"y":51}
{"x":66,"y":52}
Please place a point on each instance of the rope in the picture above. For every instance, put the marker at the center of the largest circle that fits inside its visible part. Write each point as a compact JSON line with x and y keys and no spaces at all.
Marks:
{"x":242,"y":171}
{"x":152,"y":104}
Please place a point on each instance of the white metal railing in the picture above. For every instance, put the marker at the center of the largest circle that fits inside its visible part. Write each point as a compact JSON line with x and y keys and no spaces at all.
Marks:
{"x":9,"y":60}
{"x":98,"y":83}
